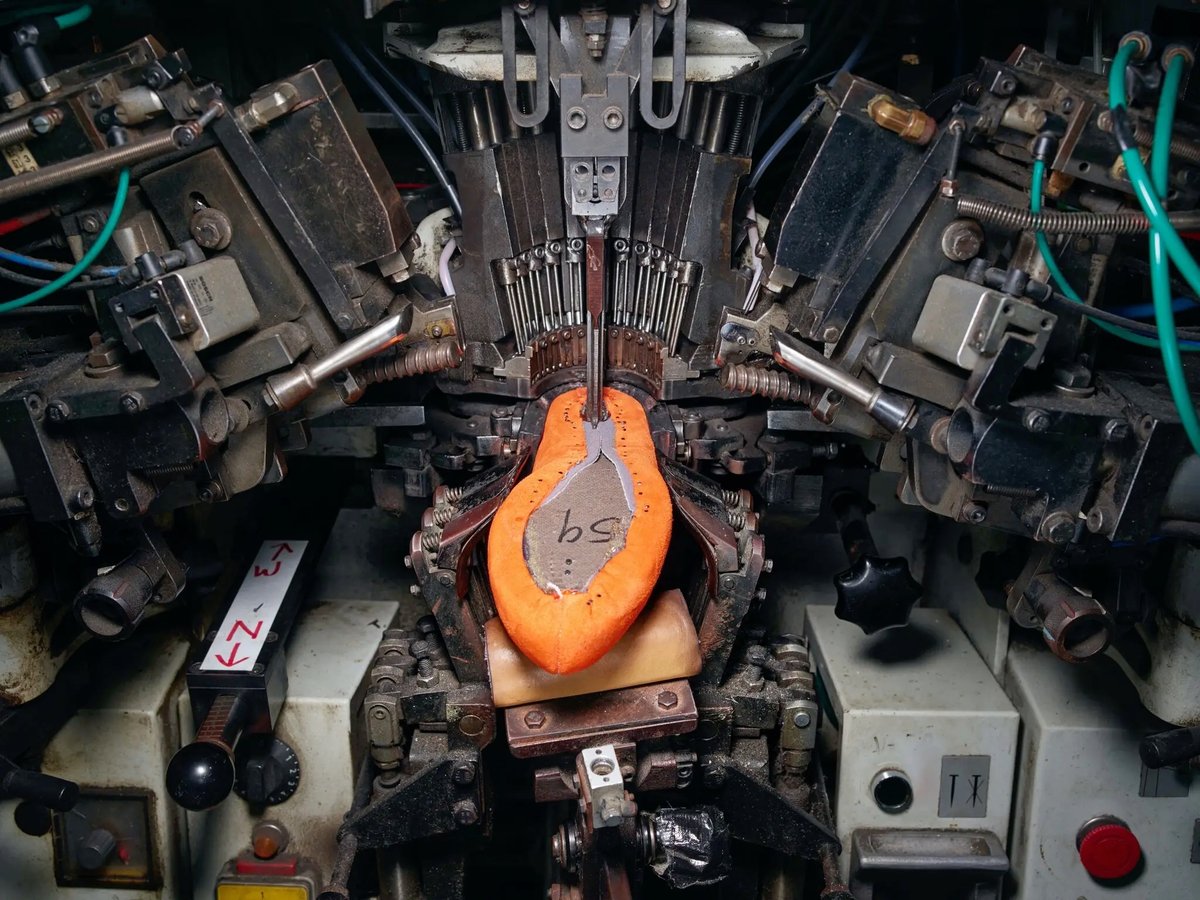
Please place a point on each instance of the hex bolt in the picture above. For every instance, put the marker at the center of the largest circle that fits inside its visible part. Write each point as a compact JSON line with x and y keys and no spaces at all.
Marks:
{"x":962,"y":240}
{"x":1060,"y":527}
{"x":464,"y":773}
{"x":668,"y":699}
{"x":58,"y":411}
{"x":420,"y":649}
{"x":1036,"y":420}
{"x":831,"y":334}
{"x":535,"y":718}
{"x":466,"y":812}
{"x":974,"y":512}
{"x":131,"y":403}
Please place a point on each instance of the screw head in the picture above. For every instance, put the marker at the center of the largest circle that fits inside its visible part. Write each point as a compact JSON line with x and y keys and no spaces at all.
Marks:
{"x":131,"y":403}
{"x":973,"y":512}
{"x":668,"y":700}
{"x":535,"y":718}
{"x":1036,"y":421}
{"x":576,"y":118}
{"x":464,"y":773}
{"x":613,"y":118}
{"x":1060,"y":527}
{"x":58,"y":411}
{"x":801,"y":719}
{"x":831,"y":334}
{"x":90,"y":223}
{"x":466,"y":812}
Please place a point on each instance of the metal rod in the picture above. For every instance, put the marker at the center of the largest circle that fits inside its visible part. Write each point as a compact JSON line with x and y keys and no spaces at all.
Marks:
{"x":288,"y":389}
{"x":597,"y":285}
{"x":890,"y":410}
{"x":102,"y":162}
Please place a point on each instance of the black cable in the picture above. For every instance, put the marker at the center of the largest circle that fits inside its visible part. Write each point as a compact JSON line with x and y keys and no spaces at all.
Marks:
{"x":81,"y":285}
{"x":389,"y":103}
{"x":398,"y":85}
{"x":1063,"y":304}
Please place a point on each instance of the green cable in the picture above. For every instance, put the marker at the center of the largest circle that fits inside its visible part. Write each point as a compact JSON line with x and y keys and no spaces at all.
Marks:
{"x":1160,"y":275}
{"x":1035,"y":205}
{"x":77,"y":16}
{"x":1140,"y":179}
{"x":89,"y":257}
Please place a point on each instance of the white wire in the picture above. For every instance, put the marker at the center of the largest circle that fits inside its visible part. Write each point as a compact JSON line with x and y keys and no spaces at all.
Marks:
{"x":752,"y":237}
{"x":444,"y":267}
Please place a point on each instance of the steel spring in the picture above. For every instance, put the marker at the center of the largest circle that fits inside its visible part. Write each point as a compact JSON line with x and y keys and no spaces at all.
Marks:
{"x":431,"y":540}
{"x":732,"y":498}
{"x":738,"y":126}
{"x":1018,"y":218}
{"x":765,"y":383}
{"x":418,"y":361}
{"x":1188,"y":151}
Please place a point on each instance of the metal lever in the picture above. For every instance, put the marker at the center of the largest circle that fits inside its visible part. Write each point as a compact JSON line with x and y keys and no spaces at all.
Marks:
{"x":650,"y":31}
{"x":892,"y":411}
{"x":596,"y":284}
{"x":289,"y":389}
{"x":539,"y":33}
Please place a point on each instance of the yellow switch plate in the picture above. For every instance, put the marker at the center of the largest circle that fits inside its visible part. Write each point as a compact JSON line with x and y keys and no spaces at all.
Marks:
{"x":262,"y":892}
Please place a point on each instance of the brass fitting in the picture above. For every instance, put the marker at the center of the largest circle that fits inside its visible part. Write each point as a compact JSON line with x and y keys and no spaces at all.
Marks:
{"x":912,"y":125}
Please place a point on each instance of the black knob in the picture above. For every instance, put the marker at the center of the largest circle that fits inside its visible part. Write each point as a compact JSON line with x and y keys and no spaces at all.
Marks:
{"x":55,"y":793}
{"x":1170,"y":748}
{"x":268,"y":770}
{"x":33,"y":818}
{"x":875,"y":592}
{"x":200,"y":776}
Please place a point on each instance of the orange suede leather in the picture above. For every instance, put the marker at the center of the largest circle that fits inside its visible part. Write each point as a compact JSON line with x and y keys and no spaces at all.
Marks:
{"x":570,"y":632}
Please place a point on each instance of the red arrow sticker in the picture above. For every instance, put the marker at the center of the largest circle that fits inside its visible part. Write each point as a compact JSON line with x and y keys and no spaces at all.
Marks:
{"x":243,"y":632}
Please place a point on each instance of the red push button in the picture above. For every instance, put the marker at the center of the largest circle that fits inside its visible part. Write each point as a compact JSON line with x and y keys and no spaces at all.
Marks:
{"x":1109,"y":850}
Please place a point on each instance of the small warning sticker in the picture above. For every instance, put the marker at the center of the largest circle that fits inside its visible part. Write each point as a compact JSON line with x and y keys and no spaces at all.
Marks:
{"x":243,"y":632}
{"x":19,"y":159}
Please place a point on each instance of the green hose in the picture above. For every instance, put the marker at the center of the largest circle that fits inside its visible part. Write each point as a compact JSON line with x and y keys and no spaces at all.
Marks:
{"x":1056,"y":273}
{"x":77,"y":16}
{"x":1160,"y":275}
{"x":89,"y":257}
{"x":1140,"y":179}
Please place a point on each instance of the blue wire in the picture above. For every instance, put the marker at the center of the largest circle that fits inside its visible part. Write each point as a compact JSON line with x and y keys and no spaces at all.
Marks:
{"x":45,"y":266}
{"x":1146,"y":310}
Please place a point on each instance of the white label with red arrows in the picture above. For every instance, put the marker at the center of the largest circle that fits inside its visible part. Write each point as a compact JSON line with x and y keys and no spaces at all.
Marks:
{"x":243,"y":633}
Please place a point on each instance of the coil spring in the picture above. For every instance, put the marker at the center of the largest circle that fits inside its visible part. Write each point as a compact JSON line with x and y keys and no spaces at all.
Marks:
{"x":431,"y":540}
{"x":419,"y":361}
{"x":738,"y":126}
{"x":1018,"y":218}
{"x":442,"y":515}
{"x":765,"y":383}
{"x":1014,"y":493}
{"x":731,"y":498}
{"x":459,"y":121}
{"x":737,"y":519}
{"x":454,"y":494}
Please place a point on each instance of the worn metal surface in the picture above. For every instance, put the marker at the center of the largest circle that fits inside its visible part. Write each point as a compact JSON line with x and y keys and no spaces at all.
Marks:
{"x":569,"y":725}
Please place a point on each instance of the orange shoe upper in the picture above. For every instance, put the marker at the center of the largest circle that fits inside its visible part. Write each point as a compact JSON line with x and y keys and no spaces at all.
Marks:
{"x":565,"y":629}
